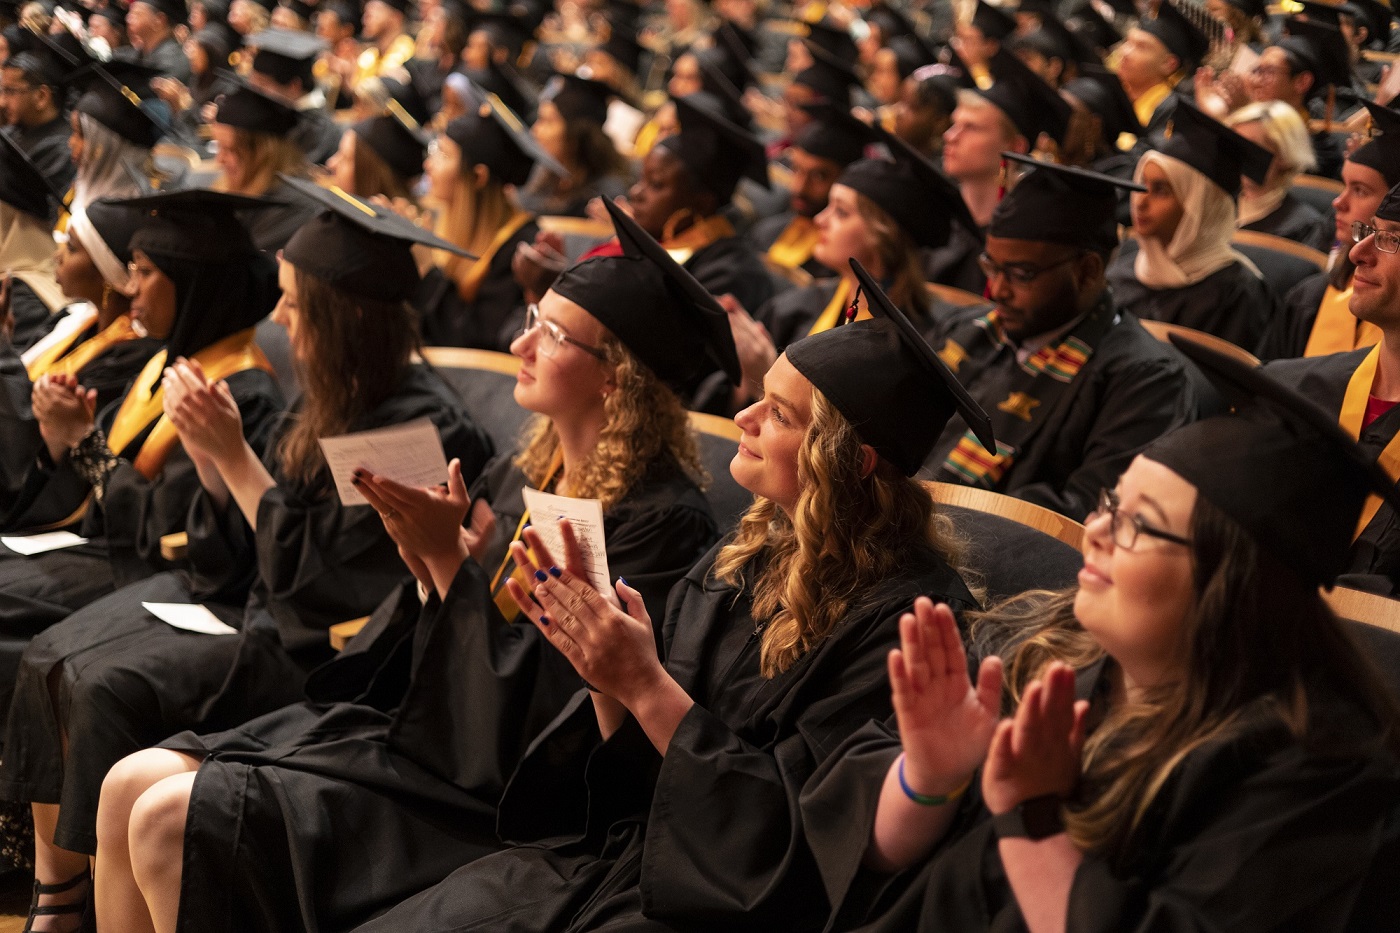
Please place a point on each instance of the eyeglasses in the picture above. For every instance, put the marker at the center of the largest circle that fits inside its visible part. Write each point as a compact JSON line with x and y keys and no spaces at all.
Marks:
{"x":1018,"y":273}
{"x":1387,"y":241}
{"x":1124,"y":528}
{"x":552,"y":336}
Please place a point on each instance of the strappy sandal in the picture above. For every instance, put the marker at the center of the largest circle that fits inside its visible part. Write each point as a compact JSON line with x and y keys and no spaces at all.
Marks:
{"x":77,"y":908}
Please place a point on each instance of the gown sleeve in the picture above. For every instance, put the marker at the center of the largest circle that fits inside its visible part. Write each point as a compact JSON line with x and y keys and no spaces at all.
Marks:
{"x":19,"y":432}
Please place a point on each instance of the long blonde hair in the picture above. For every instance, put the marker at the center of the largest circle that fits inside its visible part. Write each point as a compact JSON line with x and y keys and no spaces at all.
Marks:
{"x":847,"y":533}
{"x":470,"y":220}
{"x":645,"y":431}
{"x":264,"y":157}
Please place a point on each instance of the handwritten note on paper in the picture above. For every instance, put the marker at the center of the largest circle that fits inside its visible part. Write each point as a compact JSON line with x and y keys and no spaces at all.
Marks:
{"x":586,"y":517}
{"x":30,"y":545}
{"x":406,"y":453}
{"x":191,"y":617}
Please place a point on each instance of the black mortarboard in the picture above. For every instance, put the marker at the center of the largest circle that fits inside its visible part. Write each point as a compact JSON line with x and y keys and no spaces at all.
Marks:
{"x":506,"y":31}
{"x":175,"y":10}
{"x":912,"y":191}
{"x":829,"y":76}
{"x":405,"y":96}
{"x":888,"y":382}
{"x":1061,"y":204}
{"x":357,"y":246}
{"x":891,"y":22}
{"x":1250,"y":8}
{"x":22,"y":185}
{"x":1278,"y":465}
{"x":992,"y":22}
{"x":911,"y":53}
{"x":834,"y":134}
{"x":303,"y":11}
{"x":578,"y":98}
{"x":1329,"y":14}
{"x":48,"y":61}
{"x":1100,"y":90}
{"x":623,"y":16}
{"x":726,"y":94}
{"x":1389,"y":208}
{"x":624,"y":49}
{"x":1382,"y":151}
{"x":1378,"y":18}
{"x":117,"y":96}
{"x":112,"y":14}
{"x":1213,"y":149}
{"x":285,"y":54}
{"x":833,"y":39}
{"x":1089,"y":25}
{"x":1320,"y":49}
{"x":399,"y":145}
{"x":502,"y":79}
{"x":248,"y":108}
{"x":114,"y":224}
{"x":657,"y":309}
{"x":1181,"y":36}
{"x":729,"y":53}
{"x":717,"y":152}
{"x":1033,"y":106}
{"x":493,"y":136}
{"x":195,"y":224}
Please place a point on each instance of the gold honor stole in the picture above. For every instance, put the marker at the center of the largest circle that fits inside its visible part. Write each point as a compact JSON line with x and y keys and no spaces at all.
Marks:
{"x":57,"y":360}
{"x":471,"y":282}
{"x":1037,"y":385}
{"x":1146,"y":105}
{"x":1336,"y":329}
{"x":837,"y":307}
{"x":696,"y":237}
{"x":145,"y":401}
{"x":793,"y":247}
{"x":1351,"y":420}
{"x":504,"y":601}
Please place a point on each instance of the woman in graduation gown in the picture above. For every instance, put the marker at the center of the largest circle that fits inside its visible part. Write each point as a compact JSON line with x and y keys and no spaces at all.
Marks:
{"x":272,"y":548}
{"x":666,"y":795}
{"x":1232,"y":761}
{"x":569,"y":126}
{"x":421,"y":777}
{"x":1184,"y":270}
{"x":30,"y":293}
{"x":112,"y":137}
{"x":379,"y":155}
{"x":1272,"y":207}
{"x":471,"y":171}
{"x":96,"y":344}
{"x":199,"y":285}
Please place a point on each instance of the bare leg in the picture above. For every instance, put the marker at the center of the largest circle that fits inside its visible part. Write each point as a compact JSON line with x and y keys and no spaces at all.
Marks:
{"x":53,"y":865}
{"x":121,"y":906}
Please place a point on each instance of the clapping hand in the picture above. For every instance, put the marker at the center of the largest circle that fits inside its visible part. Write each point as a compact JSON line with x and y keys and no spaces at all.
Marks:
{"x":1037,"y":752}
{"x":205,"y":413}
{"x":65,"y":411}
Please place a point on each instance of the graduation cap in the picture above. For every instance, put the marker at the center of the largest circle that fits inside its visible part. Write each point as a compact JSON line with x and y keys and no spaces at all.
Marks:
{"x":1032,"y":106}
{"x":622,"y":16}
{"x":195,"y":224}
{"x":715,"y":150}
{"x":113,"y":224}
{"x":1213,"y":149}
{"x":912,"y":190}
{"x":910,"y":54}
{"x":174,"y":10}
{"x":730,"y":53}
{"x":118,"y":96}
{"x":1100,"y":90}
{"x":22,"y":185}
{"x":1254,"y":9}
{"x":1319,"y":49}
{"x":405,"y":98}
{"x":1279,"y":465}
{"x":1382,"y":151}
{"x":502,"y":79}
{"x":1378,"y":18}
{"x":248,"y":108}
{"x":890,"y":21}
{"x":728,"y":98}
{"x":1061,"y":204}
{"x":833,"y":39}
{"x":657,"y":309}
{"x":1182,"y":37}
{"x":888,"y":382}
{"x":834,"y":134}
{"x":285,"y":55}
{"x":493,"y":136}
{"x":1329,"y":14}
{"x":401,"y":146}
{"x":504,"y":30}
{"x":992,"y":22}
{"x":1389,"y":208}
{"x":363,"y":248}
{"x":829,"y":76}
{"x":578,"y":98}
{"x":1088,"y":24}
{"x":44,"y":63}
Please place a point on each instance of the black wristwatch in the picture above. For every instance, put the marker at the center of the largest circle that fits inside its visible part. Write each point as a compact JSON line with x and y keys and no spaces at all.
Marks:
{"x":1036,"y":818}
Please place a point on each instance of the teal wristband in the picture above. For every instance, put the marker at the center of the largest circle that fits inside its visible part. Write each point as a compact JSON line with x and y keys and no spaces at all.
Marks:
{"x":925,"y":800}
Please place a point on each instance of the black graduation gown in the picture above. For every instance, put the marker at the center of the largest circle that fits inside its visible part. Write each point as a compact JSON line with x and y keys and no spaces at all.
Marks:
{"x":320,"y":814}
{"x":168,"y":58}
{"x":791,"y":314}
{"x":47,"y":147}
{"x":614,"y":836}
{"x":1297,"y":221}
{"x":764,"y":233}
{"x":955,"y":263}
{"x":732,"y":266}
{"x":1232,"y":303}
{"x":124,"y":532}
{"x":317,"y":134}
{"x":33,"y":319}
{"x":1375,"y":555}
{"x":1132,"y":390}
{"x":1289,"y":335}
{"x":492,"y":319}
{"x":311,"y":563}
{"x":545,"y":201}
{"x":1251,"y":832}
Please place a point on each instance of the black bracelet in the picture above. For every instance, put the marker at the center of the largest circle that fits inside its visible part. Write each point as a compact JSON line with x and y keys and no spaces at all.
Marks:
{"x":94,"y":461}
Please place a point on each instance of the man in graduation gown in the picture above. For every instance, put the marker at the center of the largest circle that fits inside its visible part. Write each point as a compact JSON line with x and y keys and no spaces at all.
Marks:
{"x":34,"y":91}
{"x":150,"y":24}
{"x":1075,"y":388}
{"x":283,"y":64}
{"x":1154,"y":59}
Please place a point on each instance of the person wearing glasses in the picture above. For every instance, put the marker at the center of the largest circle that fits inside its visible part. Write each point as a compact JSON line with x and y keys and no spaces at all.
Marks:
{"x":1074,"y":386}
{"x":1361,"y":388}
{"x":1181,"y":268}
{"x":32,"y":98}
{"x":1191,"y":739}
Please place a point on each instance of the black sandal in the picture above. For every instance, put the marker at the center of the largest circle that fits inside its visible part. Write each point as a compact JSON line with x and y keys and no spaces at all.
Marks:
{"x":78,"y":907}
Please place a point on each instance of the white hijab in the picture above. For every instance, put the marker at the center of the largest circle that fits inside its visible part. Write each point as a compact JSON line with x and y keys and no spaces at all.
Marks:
{"x":1201,"y":244}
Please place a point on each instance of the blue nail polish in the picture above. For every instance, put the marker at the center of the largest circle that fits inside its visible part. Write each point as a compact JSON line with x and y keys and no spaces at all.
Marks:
{"x":623,"y":581}
{"x":544,"y":620}
{"x":555,"y":572}
{"x":540,"y":576}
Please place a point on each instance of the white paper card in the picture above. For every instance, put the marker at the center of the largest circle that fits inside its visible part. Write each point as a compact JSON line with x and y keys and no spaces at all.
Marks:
{"x":38,"y":544}
{"x":586,"y":518}
{"x":406,"y":453}
{"x":191,"y":617}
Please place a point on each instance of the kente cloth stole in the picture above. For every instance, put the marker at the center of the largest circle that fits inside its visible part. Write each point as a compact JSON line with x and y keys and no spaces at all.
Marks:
{"x":1351,"y":420}
{"x":508,"y":569}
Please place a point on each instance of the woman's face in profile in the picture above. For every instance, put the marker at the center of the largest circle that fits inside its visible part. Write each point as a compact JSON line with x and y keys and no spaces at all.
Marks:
{"x":774,"y":428}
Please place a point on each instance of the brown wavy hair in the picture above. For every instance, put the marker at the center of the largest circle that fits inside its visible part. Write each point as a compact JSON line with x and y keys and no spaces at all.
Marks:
{"x":898,"y":255}
{"x":357,"y":350}
{"x":646,"y":431}
{"x":374,"y":176}
{"x":847,"y":534}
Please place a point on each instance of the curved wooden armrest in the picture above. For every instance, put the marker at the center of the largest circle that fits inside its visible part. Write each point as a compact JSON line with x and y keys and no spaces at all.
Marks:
{"x":174,"y":547}
{"x":342,"y":632}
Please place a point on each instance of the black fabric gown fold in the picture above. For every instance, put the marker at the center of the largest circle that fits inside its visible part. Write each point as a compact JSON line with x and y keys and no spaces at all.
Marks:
{"x":491,"y":320}
{"x":611,"y":835}
{"x":318,"y":815}
{"x":125,"y":680}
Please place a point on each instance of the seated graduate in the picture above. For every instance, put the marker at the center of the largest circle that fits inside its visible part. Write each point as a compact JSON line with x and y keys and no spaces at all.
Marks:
{"x":113,"y":136}
{"x":272,"y":549}
{"x":820,"y":151}
{"x":473,"y":169}
{"x":31,"y":295}
{"x":200,"y":286}
{"x":1074,"y":385}
{"x":36,"y":103}
{"x":1198,"y":743}
{"x":284,"y":66}
{"x":1316,"y":319}
{"x":925,"y":107}
{"x":1360,"y":388}
{"x":1183,"y":270}
{"x":419,"y":769}
{"x":207,"y":50}
{"x":1271,"y":207}
{"x":666,"y":793}
{"x":569,"y":126}
{"x":379,"y":156}
{"x":1102,"y":115}
{"x":1156,"y":55}
{"x":94,"y":344}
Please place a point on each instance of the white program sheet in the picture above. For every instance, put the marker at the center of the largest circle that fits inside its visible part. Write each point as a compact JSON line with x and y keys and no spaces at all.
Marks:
{"x":29,"y":545}
{"x":406,"y":453}
{"x":585,"y":517}
{"x":191,"y":617}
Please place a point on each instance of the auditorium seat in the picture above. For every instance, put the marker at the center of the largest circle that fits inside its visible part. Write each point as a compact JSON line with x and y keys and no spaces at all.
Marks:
{"x":1376,"y":625}
{"x":1283,"y":262}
